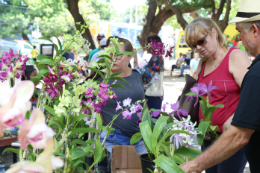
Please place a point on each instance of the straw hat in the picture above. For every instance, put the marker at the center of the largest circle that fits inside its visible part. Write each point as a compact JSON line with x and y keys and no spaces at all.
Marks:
{"x":249,"y":11}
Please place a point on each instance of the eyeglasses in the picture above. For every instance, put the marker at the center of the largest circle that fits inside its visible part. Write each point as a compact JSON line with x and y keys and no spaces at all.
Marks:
{"x":201,"y":42}
{"x":99,"y":39}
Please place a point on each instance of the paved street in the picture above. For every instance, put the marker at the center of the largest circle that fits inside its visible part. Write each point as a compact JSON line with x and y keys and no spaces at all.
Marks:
{"x":172,"y":89}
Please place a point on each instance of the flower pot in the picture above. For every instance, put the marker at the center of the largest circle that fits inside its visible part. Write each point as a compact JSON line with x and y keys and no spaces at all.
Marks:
{"x":7,"y":141}
{"x":208,"y":141}
{"x":103,"y":165}
{"x":146,"y":163}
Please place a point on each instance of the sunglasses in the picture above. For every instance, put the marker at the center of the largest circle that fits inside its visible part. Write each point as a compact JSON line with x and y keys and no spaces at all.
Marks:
{"x":99,"y":39}
{"x":201,"y":42}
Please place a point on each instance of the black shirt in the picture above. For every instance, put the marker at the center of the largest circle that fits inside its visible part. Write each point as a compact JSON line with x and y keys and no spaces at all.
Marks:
{"x":247,"y":114}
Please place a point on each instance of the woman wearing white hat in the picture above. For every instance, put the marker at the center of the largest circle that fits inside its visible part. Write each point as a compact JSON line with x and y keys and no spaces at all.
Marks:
{"x":244,"y":131}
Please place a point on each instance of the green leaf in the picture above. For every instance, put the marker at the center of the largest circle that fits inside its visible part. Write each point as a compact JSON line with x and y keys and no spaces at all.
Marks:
{"x":16,"y":151}
{"x":105,"y":56}
{"x":76,"y":162}
{"x":59,"y":154}
{"x":57,"y":123}
{"x":84,"y":130}
{"x":39,"y":66}
{"x":220,"y":106}
{"x":59,"y":169}
{"x":136,"y":138}
{"x":41,"y":57}
{"x":119,"y":78}
{"x":214,"y":128}
{"x":158,"y":129}
{"x":108,"y":67}
{"x":43,"y":71}
{"x":35,"y":79}
{"x":90,"y":141}
{"x":146,"y":132}
{"x":97,"y":71}
{"x":56,"y":49}
{"x":203,"y":126}
{"x":187,"y":152}
{"x":178,"y":159}
{"x":116,"y":47}
{"x":116,"y":73}
{"x":98,"y":152}
{"x":78,"y":117}
{"x":126,"y":53}
{"x":146,"y":116}
{"x":117,"y":86}
{"x":45,"y":38}
{"x":99,"y":121}
{"x":76,"y":153}
{"x":80,"y":169}
{"x":167,"y":164}
{"x":47,"y":61}
{"x":78,"y":141}
{"x":166,"y":150}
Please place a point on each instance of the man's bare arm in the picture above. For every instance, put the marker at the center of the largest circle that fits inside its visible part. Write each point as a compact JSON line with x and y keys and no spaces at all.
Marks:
{"x":227,"y":145}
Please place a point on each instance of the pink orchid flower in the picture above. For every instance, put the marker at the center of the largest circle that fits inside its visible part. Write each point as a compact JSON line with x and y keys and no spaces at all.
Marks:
{"x":47,"y":158}
{"x":14,"y":108}
{"x":35,"y":131}
{"x":26,"y":167}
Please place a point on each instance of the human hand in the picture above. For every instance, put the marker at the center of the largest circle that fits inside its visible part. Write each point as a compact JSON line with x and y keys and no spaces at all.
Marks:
{"x":190,"y":167}
{"x":227,"y":124}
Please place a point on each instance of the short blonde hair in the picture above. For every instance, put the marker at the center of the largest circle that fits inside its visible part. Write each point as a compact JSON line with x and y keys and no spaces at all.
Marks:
{"x":204,"y":26}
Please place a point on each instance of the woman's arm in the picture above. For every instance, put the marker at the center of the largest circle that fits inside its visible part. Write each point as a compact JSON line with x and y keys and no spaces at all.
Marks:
{"x":238,"y":65}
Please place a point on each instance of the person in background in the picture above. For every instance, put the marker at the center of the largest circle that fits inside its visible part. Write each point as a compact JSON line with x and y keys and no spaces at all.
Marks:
{"x":99,"y":38}
{"x":95,"y":57}
{"x":194,"y":63}
{"x":224,"y":67}
{"x":34,"y":53}
{"x":178,"y":63}
{"x":155,"y":65}
{"x":185,"y":66}
{"x":69,"y":55}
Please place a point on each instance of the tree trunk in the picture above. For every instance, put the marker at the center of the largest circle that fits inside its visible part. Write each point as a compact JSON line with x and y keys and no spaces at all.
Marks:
{"x":153,"y":23}
{"x":224,"y":23}
{"x":25,"y":37}
{"x":178,"y":13}
{"x":74,"y":10}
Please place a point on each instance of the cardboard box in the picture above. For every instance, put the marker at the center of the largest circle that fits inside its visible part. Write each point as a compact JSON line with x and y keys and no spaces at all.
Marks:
{"x":125,"y":160}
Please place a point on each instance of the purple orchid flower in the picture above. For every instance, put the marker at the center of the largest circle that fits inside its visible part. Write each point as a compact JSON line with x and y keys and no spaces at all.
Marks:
{"x":155,"y":114}
{"x":210,"y":88}
{"x":169,"y":52}
{"x":178,"y":141}
{"x":178,"y":112}
{"x":200,"y":89}
{"x":52,"y":92}
{"x":127,"y":115}
{"x":164,"y":106}
{"x":3,"y":76}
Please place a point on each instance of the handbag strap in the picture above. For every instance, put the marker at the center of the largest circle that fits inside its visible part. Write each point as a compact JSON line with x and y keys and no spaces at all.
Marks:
{"x":198,"y":71}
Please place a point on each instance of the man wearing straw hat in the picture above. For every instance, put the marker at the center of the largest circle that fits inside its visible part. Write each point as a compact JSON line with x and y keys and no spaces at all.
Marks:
{"x":245,"y":126}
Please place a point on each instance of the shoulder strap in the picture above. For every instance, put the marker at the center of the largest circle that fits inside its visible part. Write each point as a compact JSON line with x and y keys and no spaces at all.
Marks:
{"x":199,"y":68}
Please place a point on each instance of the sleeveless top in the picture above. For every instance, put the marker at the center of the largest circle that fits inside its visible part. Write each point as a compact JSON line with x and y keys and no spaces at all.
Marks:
{"x":228,"y":92}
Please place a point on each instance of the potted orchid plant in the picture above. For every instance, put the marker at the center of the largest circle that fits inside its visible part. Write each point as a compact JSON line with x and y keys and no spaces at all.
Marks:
{"x":167,"y":139}
{"x":202,"y":92}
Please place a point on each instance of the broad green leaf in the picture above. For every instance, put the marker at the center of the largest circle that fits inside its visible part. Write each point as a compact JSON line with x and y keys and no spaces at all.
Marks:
{"x":107,"y":66}
{"x":203,"y":126}
{"x":117,"y":86}
{"x":177,"y":159}
{"x":16,"y":151}
{"x":214,"y":128}
{"x":136,"y":138}
{"x":47,"y":61}
{"x":79,"y":117}
{"x":167,"y":164}
{"x":99,"y":121}
{"x":78,"y":141}
{"x":76,"y":162}
{"x":45,"y":38}
{"x":203,"y":107}
{"x":80,"y":169}
{"x":126,"y":53}
{"x":119,"y":78}
{"x":59,"y":154}
{"x":76,"y":153}
{"x":158,"y":129}
{"x":43,"y":71}
{"x":169,"y":125}
{"x":220,"y":106}
{"x":39,"y":66}
{"x":187,"y":152}
{"x":98,"y":152}
{"x":146,"y":132}
{"x":105,"y":56}
{"x":90,"y":141}
{"x":146,"y":116}
{"x":166,"y":150}
{"x":116,"y":73}
{"x":35,"y":79}
{"x":56,"y":49}
{"x":41,"y":57}
{"x":52,"y":112}
{"x":84,"y":130}
{"x":57,"y":123}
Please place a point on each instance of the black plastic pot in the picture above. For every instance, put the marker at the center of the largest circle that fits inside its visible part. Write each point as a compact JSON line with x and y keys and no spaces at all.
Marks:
{"x":103,"y":165}
{"x":146,"y":163}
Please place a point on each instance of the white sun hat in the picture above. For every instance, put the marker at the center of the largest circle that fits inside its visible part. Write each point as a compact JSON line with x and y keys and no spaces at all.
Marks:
{"x":249,"y":11}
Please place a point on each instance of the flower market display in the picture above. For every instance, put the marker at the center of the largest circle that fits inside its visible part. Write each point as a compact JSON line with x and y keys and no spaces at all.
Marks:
{"x":66,"y":124}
